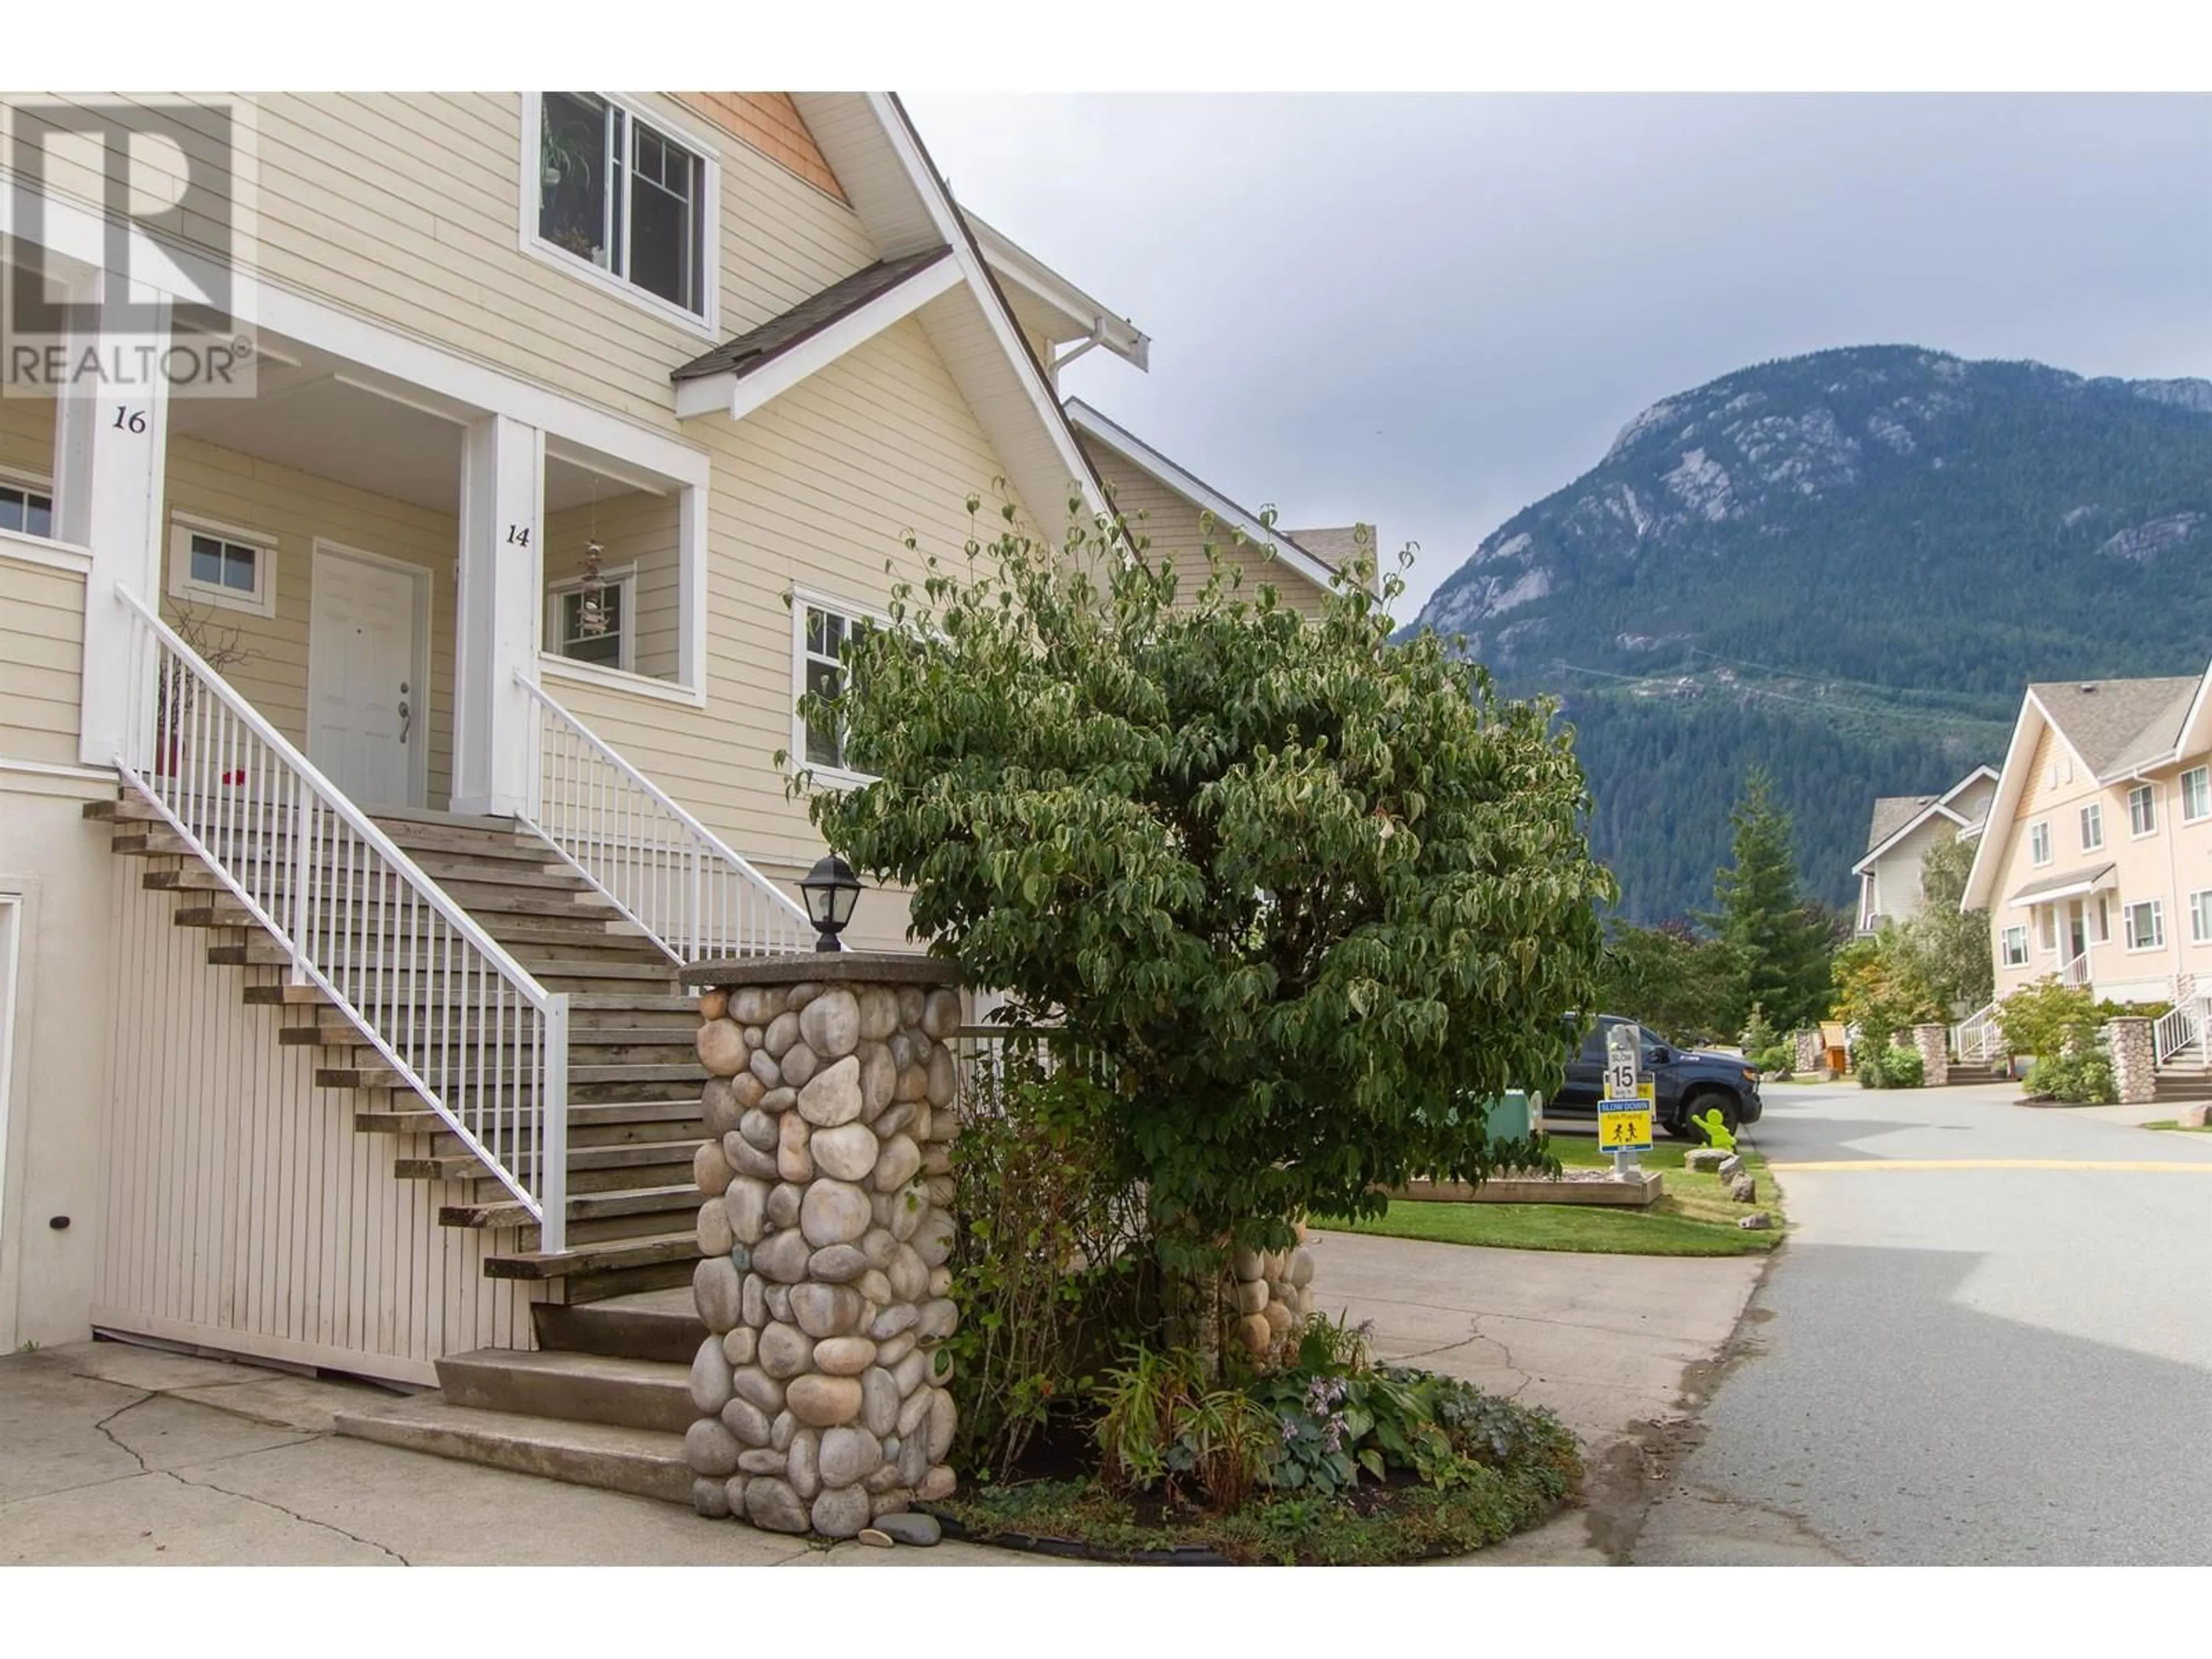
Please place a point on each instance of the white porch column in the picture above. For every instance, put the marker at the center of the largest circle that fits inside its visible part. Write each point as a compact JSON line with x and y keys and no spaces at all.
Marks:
{"x":495,"y":630}
{"x":110,"y":448}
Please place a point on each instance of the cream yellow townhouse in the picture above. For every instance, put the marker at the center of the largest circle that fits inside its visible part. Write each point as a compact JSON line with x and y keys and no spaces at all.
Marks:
{"x":390,"y":684}
{"x":2094,"y":861}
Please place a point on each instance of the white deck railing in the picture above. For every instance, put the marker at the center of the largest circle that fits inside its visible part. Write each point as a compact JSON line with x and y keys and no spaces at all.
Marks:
{"x":481,"y":1040}
{"x":1978,"y":1039}
{"x":652,"y":860}
{"x":2185,"y":1025}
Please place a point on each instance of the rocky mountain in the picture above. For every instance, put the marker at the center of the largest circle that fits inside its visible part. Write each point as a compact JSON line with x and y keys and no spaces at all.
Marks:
{"x":1843,"y":566}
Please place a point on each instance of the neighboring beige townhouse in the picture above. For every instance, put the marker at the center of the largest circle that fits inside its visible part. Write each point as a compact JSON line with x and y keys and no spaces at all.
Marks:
{"x":2095,"y":863}
{"x":373,"y":745}
{"x":1903,"y":828}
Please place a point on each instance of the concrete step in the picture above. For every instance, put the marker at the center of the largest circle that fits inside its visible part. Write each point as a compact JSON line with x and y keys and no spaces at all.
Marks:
{"x":661,"y":1325}
{"x":681,"y":1117}
{"x":483,"y":861}
{"x":591,"y":934}
{"x":576,"y":1388}
{"x":597,"y":1043}
{"x":582,"y":1091}
{"x":644,"y":1461}
{"x":555,"y":971}
{"x":584,"y":1005}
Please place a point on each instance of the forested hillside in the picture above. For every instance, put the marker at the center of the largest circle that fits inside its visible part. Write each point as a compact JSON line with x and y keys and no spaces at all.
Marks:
{"x":1843,"y":566}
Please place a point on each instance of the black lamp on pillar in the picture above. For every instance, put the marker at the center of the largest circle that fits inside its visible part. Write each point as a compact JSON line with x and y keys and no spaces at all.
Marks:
{"x":831,"y":890}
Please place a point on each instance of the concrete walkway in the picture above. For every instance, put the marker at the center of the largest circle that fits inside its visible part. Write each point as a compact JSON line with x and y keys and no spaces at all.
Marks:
{"x":112,"y":1454}
{"x":1618,"y":1345}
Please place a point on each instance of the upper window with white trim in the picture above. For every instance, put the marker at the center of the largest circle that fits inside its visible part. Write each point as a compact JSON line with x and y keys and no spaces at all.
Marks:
{"x":2143,"y":924}
{"x":2016,"y":947}
{"x":2143,"y":810}
{"x":2200,"y":917}
{"x":214,"y":564}
{"x":2039,"y":842}
{"x":2093,"y":827}
{"x":824,"y":632}
{"x":626,"y":197}
{"x":2195,"y":794}
{"x":25,"y":507}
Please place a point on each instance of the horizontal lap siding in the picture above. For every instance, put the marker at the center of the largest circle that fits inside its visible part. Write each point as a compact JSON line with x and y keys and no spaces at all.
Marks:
{"x":632,"y":528}
{"x":405,"y":207}
{"x":815,"y":490}
{"x":244,"y":1211}
{"x":235,"y":488}
{"x":41,"y":655}
{"x":1176,"y":529}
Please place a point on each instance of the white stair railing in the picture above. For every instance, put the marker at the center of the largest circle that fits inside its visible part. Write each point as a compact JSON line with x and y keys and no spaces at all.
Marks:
{"x":2075,"y":972}
{"x":465,"y":1026}
{"x":1977,"y":1039}
{"x":652,"y":860}
{"x":2185,"y":1026}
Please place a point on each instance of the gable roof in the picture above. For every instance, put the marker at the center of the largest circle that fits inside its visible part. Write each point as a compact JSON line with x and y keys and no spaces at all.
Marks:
{"x":757,"y":346}
{"x":908,"y":214}
{"x":1051,"y":306}
{"x":1896,"y":816}
{"x":2113,"y":724}
{"x":1195,"y":490}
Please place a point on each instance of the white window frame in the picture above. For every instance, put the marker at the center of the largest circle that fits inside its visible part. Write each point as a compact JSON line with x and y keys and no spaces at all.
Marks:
{"x":624,"y":577}
{"x":2093,"y":816}
{"x":2135,"y":945}
{"x":2200,"y":916}
{"x":2050,"y":913}
{"x":2202,"y":793}
{"x":2144,"y":824}
{"x":262,"y":602}
{"x":2038,"y":843}
{"x":705,"y":323}
{"x":2016,"y":946}
{"x":801,"y":600}
{"x":29,"y":484}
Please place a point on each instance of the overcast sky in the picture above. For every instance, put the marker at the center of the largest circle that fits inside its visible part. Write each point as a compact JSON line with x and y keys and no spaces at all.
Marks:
{"x":1430,"y":311}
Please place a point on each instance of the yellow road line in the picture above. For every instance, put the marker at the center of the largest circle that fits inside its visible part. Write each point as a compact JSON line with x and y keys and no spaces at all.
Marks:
{"x":2123,"y":1166}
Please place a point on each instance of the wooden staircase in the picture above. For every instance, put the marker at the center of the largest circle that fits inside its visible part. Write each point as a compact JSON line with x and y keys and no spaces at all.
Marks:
{"x":2185,"y":1079}
{"x":635,"y":1081}
{"x":1964,"y":1072}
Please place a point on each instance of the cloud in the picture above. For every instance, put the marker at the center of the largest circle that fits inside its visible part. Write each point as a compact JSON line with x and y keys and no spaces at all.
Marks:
{"x":1430,"y":311}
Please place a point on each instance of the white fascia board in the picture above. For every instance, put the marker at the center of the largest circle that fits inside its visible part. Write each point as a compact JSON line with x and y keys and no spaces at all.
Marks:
{"x":1000,"y":320}
{"x":739,"y":395}
{"x":1965,"y":783}
{"x":1934,"y":809}
{"x":1139,"y":453}
{"x":2049,"y":721}
{"x":2012,"y":782}
{"x":1089,"y":318}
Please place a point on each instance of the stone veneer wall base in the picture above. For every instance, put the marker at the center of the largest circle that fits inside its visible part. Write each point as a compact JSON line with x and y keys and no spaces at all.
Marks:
{"x":825,"y":1227}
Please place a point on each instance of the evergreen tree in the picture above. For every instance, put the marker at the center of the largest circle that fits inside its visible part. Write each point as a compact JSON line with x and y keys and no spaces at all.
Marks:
{"x":1781,"y":942}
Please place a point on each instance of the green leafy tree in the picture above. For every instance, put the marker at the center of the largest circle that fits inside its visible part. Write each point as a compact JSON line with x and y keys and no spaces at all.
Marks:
{"x":1309,"y":894}
{"x":1949,"y":949}
{"x":1669,"y":978}
{"x":1781,"y":942}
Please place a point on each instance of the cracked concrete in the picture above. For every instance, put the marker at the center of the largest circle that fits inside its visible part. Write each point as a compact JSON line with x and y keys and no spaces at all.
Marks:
{"x":112,"y":1454}
{"x":1617,"y":1347}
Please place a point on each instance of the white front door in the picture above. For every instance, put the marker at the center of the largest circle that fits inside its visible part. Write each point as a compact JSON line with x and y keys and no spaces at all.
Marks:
{"x":366,"y":703}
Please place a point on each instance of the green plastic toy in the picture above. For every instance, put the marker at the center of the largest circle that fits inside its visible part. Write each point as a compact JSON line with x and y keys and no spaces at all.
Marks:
{"x":1717,"y":1130}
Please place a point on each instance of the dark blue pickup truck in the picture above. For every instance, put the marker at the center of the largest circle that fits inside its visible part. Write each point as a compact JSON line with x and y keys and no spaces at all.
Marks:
{"x":1686,"y":1083}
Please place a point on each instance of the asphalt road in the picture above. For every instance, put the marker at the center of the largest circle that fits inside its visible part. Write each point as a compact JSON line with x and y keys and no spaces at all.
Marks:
{"x":1958,"y":1364}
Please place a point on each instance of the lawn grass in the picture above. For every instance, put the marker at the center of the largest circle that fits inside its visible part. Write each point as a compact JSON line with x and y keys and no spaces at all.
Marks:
{"x":1696,"y":1217}
{"x":2174,"y":1126}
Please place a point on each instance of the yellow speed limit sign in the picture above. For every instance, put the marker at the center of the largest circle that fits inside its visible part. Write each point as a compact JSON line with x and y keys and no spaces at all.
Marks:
{"x":1624,"y":1128}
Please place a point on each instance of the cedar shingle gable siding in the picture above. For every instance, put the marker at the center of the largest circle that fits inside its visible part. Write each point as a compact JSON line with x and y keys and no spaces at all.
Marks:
{"x":769,"y":122}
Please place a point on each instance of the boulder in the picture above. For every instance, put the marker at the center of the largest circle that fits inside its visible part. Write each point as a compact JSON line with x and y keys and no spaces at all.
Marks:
{"x":711,"y":1449}
{"x":1704,"y":1159}
{"x":773,"y":1506}
{"x":831,"y":1024}
{"x":721,"y":1046}
{"x":825,"y":1310}
{"x":716,"y":1291}
{"x":834,"y":1212}
{"x":824,"y":1401}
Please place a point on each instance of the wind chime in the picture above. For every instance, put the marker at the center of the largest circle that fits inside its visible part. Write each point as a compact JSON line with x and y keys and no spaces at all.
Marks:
{"x":591,"y":603}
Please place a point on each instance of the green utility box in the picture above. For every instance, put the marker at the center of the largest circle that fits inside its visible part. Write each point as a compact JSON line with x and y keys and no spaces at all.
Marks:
{"x":1509,"y":1117}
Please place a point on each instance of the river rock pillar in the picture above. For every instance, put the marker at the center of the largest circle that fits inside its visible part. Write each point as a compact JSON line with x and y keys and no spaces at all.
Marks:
{"x":1932,"y":1043}
{"x":2134,"y":1075}
{"x":825,"y":1228}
